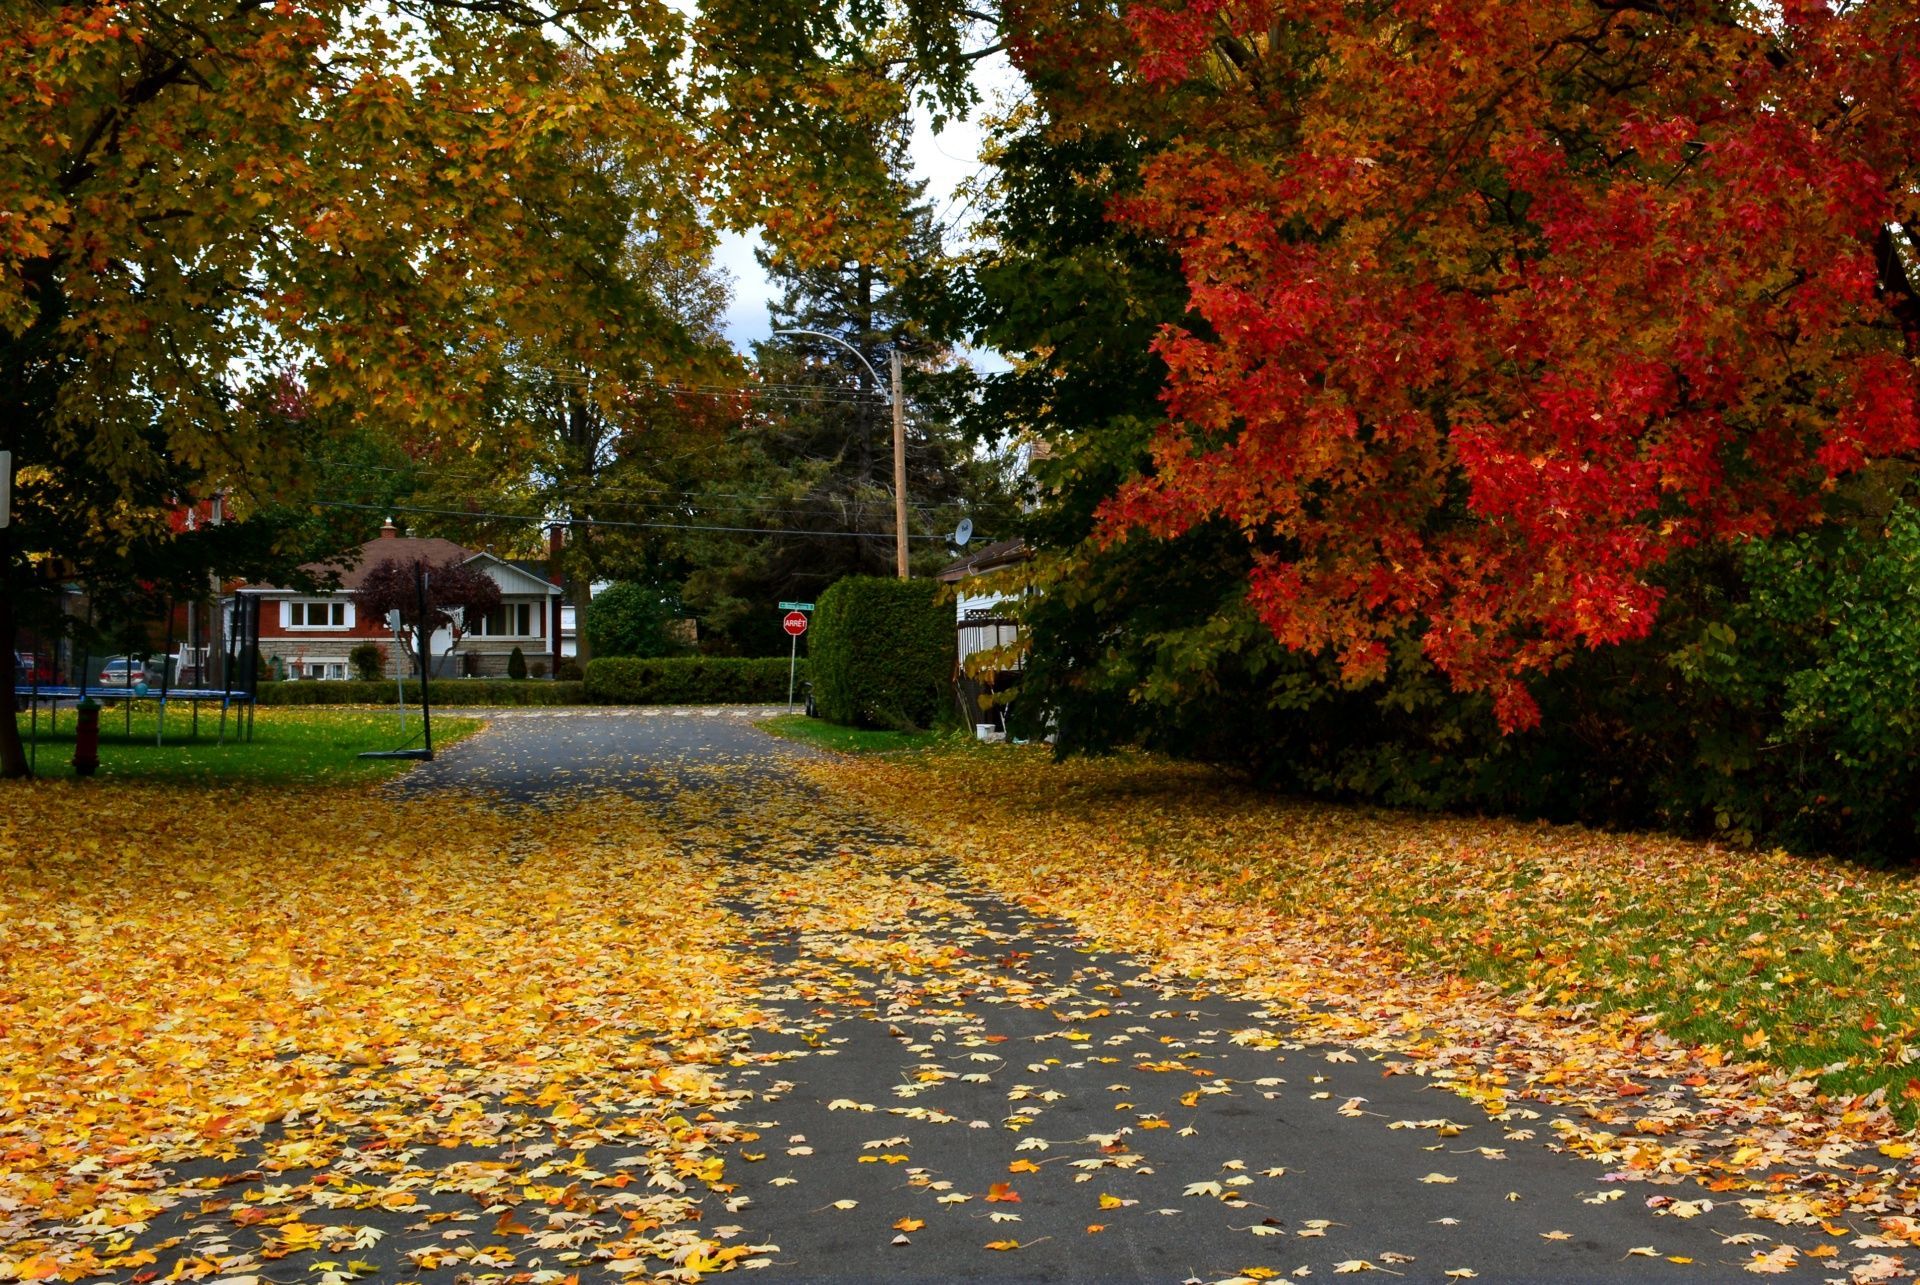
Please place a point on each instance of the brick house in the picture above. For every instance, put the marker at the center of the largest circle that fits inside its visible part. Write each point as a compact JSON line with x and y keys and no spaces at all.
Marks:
{"x":311,"y":634}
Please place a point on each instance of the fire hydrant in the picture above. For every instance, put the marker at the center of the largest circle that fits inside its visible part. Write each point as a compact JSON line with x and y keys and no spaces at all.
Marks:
{"x":86,"y":738}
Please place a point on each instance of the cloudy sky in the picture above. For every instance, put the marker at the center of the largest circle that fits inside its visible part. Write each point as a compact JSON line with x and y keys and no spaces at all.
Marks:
{"x":946,"y":160}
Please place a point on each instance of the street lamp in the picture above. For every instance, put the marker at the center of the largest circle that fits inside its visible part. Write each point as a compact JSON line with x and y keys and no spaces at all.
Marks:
{"x":899,"y":439}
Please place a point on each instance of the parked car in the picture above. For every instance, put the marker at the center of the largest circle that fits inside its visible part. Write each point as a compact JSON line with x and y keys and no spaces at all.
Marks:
{"x":22,"y":680}
{"x":123,"y":671}
{"x":29,"y":669}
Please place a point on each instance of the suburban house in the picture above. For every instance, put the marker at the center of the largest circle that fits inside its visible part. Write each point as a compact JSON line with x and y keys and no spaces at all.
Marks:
{"x":569,"y":626}
{"x":982,"y":626}
{"x":310,"y":635}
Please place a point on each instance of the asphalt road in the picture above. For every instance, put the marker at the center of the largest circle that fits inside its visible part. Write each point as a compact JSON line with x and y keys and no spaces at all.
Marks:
{"x":953,"y":1062}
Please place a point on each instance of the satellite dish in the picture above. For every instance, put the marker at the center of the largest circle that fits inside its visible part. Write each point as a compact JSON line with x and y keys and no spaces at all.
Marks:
{"x":963,"y":532}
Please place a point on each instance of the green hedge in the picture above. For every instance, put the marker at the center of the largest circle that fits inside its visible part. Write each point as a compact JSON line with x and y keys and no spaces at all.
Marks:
{"x":673,"y":680}
{"x":883,"y":653}
{"x":446,"y":691}
{"x":688,"y":680}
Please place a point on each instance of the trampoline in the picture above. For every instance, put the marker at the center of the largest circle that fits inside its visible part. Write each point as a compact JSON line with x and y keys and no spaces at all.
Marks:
{"x":238,"y":695}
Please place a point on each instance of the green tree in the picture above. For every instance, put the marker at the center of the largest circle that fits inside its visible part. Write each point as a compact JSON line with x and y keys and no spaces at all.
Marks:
{"x":607,"y":419}
{"x":1149,"y":641}
{"x":815,"y":452}
{"x":632,"y":619}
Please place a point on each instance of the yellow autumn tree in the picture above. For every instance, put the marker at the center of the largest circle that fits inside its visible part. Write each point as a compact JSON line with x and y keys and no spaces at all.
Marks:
{"x":202,"y":201}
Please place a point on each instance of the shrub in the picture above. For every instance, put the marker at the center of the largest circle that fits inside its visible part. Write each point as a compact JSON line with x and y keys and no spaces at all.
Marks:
{"x":569,"y":671}
{"x":629,"y":619}
{"x":538,"y":668}
{"x":470,"y":664}
{"x":516,"y":664}
{"x":688,"y":680}
{"x":445,"y":691}
{"x":883,"y":653}
{"x":368,"y":660}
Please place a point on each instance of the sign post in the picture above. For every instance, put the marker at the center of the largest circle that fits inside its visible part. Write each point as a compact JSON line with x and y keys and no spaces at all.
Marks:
{"x":399,"y":671}
{"x":795,"y":623}
{"x":426,"y":643}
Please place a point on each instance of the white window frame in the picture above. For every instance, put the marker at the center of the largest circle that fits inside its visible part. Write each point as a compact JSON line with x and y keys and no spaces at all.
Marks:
{"x":306,"y":605}
{"x":534,"y":622}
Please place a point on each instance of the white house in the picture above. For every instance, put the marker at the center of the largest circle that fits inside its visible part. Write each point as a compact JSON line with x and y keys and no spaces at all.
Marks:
{"x":982,"y":625}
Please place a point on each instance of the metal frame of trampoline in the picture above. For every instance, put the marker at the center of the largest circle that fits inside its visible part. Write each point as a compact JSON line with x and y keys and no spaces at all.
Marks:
{"x":241,"y":650}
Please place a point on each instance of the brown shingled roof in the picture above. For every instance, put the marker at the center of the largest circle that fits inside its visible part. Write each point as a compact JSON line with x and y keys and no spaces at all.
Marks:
{"x":403,"y":548}
{"x":987,"y":557}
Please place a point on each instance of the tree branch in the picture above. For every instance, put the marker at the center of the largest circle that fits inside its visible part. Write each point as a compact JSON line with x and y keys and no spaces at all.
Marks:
{"x":1897,"y":288}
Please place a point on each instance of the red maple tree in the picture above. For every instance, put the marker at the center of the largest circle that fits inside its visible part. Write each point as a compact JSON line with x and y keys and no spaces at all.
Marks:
{"x":1500,"y":304}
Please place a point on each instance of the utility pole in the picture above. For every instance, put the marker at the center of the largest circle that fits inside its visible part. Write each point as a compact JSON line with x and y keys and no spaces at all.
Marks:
{"x":899,"y":440}
{"x":899,"y":469}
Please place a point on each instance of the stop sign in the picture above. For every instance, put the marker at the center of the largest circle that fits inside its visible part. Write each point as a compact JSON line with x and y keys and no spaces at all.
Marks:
{"x":795,"y":623}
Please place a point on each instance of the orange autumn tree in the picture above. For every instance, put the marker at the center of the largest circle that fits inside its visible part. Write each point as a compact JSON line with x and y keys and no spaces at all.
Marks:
{"x":1501,"y":306}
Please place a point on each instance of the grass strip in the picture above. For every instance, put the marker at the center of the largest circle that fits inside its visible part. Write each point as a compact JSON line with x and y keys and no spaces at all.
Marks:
{"x":288,"y":745}
{"x":1803,"y":963}
{"x":855,"y":740}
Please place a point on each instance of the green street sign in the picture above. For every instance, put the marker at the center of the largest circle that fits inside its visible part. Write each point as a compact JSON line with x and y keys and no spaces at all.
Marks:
{"x":796,"y":606}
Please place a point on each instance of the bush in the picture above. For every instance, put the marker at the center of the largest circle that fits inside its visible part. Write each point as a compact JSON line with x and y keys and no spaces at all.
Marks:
{"x":470,"y":664}
{"x":539,"y":668}
{"x":629,"y":619}
{"x":569,"y":671}
{"x":1777,"y":700}
{"x":516,"y":664}
{"x":688,"y":680}
{"x":445,"y":691}
{"x":883,"y":654}
{"x":368,"y":660}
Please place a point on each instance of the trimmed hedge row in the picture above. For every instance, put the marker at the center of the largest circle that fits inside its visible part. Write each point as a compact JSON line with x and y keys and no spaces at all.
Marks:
{"x":883,"y":653}
{"x":688,"y":680}
{"x":446,"y":691}
{"x":669,"y":680}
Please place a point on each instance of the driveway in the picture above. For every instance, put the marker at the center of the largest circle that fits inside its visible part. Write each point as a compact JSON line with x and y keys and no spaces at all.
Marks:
{"x":950,"y":1088}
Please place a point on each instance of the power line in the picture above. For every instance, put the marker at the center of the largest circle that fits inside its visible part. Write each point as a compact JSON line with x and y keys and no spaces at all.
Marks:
{"x":782,"y":392}
{"x":607,"y":522}
{"x":612,"y":492}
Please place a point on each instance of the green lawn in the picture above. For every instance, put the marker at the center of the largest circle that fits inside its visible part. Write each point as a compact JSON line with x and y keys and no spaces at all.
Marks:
{"x":304,"y":744}
{"x":1803,"y":962}
{"x":853,"y":740}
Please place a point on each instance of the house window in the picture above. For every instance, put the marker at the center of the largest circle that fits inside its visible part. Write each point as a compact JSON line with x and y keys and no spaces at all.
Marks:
{"x":508,"y":620}
{"x":318,"y":615}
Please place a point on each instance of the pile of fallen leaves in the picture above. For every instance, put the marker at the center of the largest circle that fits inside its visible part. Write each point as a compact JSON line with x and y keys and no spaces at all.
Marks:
{"x":241,"y":1025}
{"x":1740,"y":1019}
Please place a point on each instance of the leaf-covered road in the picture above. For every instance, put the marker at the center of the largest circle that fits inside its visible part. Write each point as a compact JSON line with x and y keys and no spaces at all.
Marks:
{"x":606,"y":995}
{"x":952,"y":1087}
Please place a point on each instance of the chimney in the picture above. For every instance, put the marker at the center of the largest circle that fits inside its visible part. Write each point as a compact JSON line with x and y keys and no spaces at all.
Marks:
{"x":556,"y":540}
{"x":389,"y":531}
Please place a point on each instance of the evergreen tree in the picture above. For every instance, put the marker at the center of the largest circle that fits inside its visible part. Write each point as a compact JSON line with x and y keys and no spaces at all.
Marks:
{"x":815,"y":462}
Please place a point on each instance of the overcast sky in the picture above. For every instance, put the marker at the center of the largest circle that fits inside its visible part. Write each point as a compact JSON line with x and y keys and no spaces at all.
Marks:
{"x":946,"y":160}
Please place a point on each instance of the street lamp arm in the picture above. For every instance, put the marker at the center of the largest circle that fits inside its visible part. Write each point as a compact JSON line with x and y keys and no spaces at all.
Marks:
{"x":832,"y":338}
{"x":897,"y":403}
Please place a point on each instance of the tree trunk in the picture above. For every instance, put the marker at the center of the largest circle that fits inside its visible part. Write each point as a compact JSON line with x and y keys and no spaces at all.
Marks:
{"x":584,"y":429}
{"x":580,"y":590}
{"x":13,"y":755}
